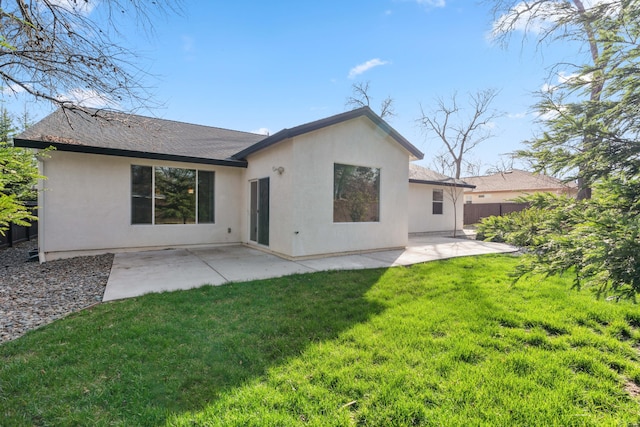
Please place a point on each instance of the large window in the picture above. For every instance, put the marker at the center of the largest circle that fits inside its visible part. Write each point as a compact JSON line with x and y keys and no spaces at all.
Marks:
{"x":356,"y":193}
{"x":438,"y":201}
{"x":164,"y":195}
{"x":141,"y":195}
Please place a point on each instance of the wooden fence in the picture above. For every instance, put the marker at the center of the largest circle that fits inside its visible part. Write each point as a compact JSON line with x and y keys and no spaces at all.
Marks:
{"x":474,"y":212}
{"x":16,"y":234}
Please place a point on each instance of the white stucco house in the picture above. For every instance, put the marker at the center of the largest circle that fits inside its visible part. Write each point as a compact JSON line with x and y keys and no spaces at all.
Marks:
{"x":120,"y":182}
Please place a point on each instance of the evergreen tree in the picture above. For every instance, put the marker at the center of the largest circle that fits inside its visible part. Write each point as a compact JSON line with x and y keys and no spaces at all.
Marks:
{"x":592,"y":131}
{"x":18,"y":177}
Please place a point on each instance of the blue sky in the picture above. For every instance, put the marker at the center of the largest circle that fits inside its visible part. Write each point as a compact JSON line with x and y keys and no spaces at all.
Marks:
{"x":268,"y":65}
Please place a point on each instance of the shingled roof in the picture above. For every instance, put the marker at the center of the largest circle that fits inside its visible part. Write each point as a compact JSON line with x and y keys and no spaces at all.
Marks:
{"x":120,"y":134}
{"x":421,"y":175}
{"x":128,"y":135}
{"x":517,"y":180}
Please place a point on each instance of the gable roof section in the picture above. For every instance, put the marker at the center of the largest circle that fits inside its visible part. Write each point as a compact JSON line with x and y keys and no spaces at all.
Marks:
{"x":330,"y":121}
{"x":120,"y":134}
{"x":517,"y":180}
{"x":420,"y":175}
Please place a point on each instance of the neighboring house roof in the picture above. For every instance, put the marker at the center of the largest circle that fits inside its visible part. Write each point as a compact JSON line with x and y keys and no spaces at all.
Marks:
{"x":517,"y":180}
{"x":329,"y":121}
{"x":421,"y":175}
{"x":120,"y":134}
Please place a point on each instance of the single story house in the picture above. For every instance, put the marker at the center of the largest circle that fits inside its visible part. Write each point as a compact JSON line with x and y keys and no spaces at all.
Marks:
{"x":435,"y":201}
{"x":503,"y":187}
{"x":121,"y":182}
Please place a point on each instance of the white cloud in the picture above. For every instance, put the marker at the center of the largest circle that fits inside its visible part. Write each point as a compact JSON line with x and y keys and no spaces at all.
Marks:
{"x":574,"y":77}
{"x":551,"y":114}
{"x":432,"y":3}
{"x":12,"y":89}
{"x":89,"y":98}
{"x":548,"y":88}
{"x":83,"y":7}
{"x":517,"y":116}
{"x":521,"y":16}
{"x":490,"y":125}
{"x":359,"y":69}
{"x":262,"y":131}
{"x":548,"y":115}
{"x":564,"y":77}
{"x":427,"y":4}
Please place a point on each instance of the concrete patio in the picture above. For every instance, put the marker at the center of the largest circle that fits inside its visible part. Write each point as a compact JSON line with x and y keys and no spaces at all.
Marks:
{"x":135,"y":274}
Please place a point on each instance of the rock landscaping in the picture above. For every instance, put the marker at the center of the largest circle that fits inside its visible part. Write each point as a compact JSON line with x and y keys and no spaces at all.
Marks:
{"x":34,"y":294}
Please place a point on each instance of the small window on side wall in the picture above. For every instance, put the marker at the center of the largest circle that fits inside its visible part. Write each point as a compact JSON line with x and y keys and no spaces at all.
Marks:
{"x":438,"y":202}
{"x":356,"y":193}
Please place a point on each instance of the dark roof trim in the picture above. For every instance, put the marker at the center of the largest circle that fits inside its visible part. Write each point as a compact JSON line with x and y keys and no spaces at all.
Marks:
{"x":329,"y":121}
{"x":442,"y":183}
{"x":126,"y":153}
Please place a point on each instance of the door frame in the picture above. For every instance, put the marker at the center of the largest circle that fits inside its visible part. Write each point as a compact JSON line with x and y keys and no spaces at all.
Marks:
{"x":259,"y":210}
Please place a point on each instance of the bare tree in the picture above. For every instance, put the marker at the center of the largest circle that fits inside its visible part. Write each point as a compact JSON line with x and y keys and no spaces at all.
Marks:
{"x":473,"y":168}
{"x":360,"y":98}
{"x":454,"y":192}
{"x":54,"y":50}
{"x":561,"y":21}
{"x":505,"y":164}
{"x":460,"y":131}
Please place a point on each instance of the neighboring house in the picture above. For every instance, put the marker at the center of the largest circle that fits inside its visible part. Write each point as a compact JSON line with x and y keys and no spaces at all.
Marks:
{"x":125,"y":182}
{"x":435,"y":201}
{"x":503,"y":187}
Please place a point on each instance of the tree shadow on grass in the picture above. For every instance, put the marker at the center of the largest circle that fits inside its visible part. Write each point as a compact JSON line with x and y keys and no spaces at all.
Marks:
{"x":137,"y":361}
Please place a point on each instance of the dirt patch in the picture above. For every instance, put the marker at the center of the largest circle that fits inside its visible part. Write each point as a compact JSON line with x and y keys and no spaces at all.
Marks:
{"x":633,"y":389}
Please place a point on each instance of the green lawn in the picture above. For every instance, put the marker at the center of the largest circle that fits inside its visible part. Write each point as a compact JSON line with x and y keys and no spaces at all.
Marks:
{"x":443,"y":343}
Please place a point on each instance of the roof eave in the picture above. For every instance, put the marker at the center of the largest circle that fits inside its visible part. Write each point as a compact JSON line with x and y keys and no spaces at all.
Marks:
{"x":284,"y":134}
{"x":441,"y":183}
{"x":86,"y":149}
{"x":527,"y":189}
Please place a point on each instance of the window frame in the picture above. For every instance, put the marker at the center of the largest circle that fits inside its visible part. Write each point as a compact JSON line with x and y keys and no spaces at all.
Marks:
{"x":340,"y":216}
{"x":437,"y":207}
{"x":153,"y":196}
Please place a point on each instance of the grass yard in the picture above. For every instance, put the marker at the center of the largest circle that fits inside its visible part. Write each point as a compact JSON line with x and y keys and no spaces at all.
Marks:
{"x":442,"y":343}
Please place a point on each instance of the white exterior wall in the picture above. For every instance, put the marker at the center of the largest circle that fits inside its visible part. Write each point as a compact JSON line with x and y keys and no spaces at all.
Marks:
{"x":356,"y":142}
{"x":421,"y":217}
{"x":86,"y":206}
{"x":261,"y":165}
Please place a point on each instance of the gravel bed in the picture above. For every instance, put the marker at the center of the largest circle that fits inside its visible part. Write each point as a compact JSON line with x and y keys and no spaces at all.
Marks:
{"x":34,"y":294}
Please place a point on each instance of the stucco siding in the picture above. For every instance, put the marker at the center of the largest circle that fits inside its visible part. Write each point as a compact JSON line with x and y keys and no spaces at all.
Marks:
{"x":421,"y":217}
{"x":357,"y":142}
{"x":262,"y":165}
{"x":86,"y":205}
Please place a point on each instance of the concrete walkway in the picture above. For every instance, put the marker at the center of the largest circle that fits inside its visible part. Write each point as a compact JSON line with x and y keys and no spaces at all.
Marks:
{"x":134,"y":274}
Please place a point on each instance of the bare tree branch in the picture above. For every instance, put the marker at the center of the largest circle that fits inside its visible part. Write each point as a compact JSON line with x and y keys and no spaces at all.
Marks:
{"x":596,"y":27}
{"x":460,"y":133}
{"x":54,"y":50}
{"x":360,"y":98}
